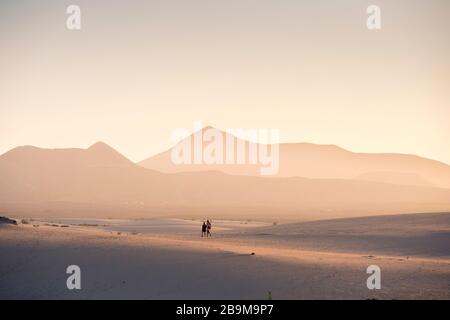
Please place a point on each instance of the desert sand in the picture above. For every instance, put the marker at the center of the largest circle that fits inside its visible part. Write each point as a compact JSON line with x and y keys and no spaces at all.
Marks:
{"x":312,"y":260}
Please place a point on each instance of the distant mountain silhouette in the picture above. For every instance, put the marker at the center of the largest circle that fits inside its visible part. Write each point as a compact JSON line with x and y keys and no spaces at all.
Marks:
{"x":99,"y":154}
{"x":99,"y":181}
{"x":326,"y":162}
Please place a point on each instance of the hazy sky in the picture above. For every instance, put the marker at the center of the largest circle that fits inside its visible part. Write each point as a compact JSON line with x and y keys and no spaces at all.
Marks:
{"x":137,"y":70}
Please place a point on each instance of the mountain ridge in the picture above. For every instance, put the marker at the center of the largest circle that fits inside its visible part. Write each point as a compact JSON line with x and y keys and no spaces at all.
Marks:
{"x":40,"y":181}
{"x":323,"y":161}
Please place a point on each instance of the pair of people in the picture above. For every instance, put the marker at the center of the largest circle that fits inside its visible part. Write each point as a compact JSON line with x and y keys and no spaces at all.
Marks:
{"x":206,"y":229}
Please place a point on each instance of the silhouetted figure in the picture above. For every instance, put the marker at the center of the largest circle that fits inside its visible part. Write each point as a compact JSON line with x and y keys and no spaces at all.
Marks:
{"x":204,"y":228}
{"x":208,"y":228}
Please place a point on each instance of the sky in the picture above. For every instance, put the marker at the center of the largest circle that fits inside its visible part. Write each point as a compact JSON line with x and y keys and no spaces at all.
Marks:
{"x":138,"y":70}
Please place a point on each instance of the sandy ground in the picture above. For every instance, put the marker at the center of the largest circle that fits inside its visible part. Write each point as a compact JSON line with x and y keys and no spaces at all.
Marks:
{"x":34,"y":259}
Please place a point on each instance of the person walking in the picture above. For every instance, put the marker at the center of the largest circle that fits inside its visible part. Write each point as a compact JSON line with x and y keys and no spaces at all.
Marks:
{"x":208,"y":228}
{"x":204,"y":227}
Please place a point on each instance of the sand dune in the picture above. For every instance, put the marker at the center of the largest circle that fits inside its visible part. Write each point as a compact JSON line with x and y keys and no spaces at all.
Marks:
{"x":424,"y":234}
{"x":127,"y":266}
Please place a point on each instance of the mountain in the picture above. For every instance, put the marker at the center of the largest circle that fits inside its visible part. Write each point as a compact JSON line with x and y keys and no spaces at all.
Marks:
{"x":99,"y":154}
{"x":100,"y":182}
{"x":321,"y":161}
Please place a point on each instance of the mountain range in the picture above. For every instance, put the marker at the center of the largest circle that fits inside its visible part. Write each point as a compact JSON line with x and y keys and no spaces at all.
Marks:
{"x":314,"y":182}
{"x":323,"y":162}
